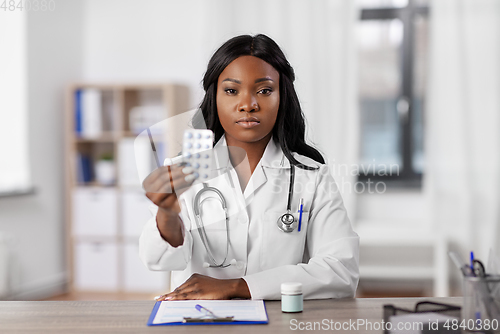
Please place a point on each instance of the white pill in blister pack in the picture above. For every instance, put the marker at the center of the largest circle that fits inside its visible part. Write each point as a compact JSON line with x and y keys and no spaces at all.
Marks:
{"x":197,"y":151}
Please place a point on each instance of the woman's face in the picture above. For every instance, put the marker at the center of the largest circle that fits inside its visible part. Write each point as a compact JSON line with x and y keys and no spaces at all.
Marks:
{"x":248,"y":99}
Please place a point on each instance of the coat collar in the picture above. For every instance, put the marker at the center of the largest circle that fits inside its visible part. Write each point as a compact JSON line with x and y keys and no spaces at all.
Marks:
{"x":273,"y":156}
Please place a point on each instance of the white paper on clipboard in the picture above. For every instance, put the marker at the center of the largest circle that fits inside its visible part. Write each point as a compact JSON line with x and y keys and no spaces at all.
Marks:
{"x":241,"y":310}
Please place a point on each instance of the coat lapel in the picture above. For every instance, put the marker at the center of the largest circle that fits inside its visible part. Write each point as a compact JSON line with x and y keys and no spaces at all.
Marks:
{"x":272,"y":158}
{"x":257,"y":179}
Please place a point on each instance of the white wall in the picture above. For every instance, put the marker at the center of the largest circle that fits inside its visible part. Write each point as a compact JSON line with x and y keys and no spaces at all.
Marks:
{"x":36,"y":221}
{"x":14,"y":171}
{"x":394,"y":208}
{"x":144,"y":41}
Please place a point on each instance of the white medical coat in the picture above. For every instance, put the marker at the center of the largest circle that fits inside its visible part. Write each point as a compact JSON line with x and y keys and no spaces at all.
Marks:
{"x":323,"y":256}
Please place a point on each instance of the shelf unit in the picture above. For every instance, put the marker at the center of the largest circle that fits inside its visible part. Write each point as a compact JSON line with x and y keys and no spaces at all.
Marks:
{"x":104,"y":220}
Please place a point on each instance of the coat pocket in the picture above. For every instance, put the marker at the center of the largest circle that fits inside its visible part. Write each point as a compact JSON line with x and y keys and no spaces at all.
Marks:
{"x":281,"y":248}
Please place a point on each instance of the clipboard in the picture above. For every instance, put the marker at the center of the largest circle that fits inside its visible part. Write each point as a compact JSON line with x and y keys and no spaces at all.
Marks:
{"x":230,"y":312}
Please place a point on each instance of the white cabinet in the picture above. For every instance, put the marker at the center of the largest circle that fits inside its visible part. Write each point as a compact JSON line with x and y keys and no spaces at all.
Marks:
{"x":139,"y":278}
{"x":94,"y":211}
{"x":135,"y":212}
{"x":96,"y":266}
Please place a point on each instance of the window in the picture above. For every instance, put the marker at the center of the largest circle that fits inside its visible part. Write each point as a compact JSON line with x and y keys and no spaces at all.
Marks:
{"x":392,"y":66}
{"x":14,"y":163}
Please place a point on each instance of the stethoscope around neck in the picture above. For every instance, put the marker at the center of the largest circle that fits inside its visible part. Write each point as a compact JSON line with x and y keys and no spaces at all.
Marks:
{"x":285,"y":221}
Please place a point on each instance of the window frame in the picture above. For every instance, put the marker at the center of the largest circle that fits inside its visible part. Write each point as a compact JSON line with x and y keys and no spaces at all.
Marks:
{"x":407,"y":177}
{"x":14,"y":84}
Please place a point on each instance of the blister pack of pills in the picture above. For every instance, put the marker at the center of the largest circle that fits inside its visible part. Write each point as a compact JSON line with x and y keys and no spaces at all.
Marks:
{"x":197,"y":151}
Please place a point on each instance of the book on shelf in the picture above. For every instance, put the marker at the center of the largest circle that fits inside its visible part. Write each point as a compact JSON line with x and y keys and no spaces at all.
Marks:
{"x":147,"y":116}
{"x":88,"y":113}
{"x":83,"y":168}
{"x":78,"y":112}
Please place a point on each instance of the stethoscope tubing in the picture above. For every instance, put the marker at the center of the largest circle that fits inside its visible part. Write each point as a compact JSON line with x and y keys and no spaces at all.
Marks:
{"x":290,"y":188}
{"x":201,"y":227}
{"x":283,"y":226}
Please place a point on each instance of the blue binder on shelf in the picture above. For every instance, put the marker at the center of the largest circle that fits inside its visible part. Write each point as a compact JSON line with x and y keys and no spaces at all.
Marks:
{"x":78,"y":112}
{"x":83,"y":168}
{"x":219,"y":312}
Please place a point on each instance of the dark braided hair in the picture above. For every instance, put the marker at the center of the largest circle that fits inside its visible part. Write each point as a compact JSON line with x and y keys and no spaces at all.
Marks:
{"x":289,"y":130}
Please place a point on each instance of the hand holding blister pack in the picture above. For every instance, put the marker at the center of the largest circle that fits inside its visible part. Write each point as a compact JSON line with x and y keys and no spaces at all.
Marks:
{"x":196,"y":155}
{"x":172,"y":155}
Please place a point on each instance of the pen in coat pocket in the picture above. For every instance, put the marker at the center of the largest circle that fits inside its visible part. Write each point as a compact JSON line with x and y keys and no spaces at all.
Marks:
{"x":301,"y":206}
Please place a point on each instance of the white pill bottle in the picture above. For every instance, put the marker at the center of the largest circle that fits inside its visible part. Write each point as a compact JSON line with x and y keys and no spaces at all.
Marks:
{"x":292,"y":300}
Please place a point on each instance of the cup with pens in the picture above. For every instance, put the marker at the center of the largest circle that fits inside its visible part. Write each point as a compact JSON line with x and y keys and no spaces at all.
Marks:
{"x":481,"y":290}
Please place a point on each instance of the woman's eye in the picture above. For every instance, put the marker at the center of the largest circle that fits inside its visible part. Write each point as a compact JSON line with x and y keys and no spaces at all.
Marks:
{"x":265,"y":91}
{"x":230,"y":91}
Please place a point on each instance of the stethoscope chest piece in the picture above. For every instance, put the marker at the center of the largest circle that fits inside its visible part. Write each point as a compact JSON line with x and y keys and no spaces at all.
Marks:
{"x":286,"y":222}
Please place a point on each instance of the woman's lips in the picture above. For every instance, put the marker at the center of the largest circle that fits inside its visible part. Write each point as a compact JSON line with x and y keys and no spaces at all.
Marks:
{"x":248,"y":122}
{"x":247,"y":125}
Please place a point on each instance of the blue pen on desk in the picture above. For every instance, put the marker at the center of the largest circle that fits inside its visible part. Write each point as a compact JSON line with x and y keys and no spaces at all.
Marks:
{"x":301,"y":206}
{"x":205,"y":310}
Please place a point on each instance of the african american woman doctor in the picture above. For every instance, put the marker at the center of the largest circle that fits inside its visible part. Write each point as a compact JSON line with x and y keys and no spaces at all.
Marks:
{"x":250,"y":103}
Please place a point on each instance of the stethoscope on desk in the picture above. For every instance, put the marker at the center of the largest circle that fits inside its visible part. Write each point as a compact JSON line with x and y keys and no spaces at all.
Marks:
{"x":285,"y":221}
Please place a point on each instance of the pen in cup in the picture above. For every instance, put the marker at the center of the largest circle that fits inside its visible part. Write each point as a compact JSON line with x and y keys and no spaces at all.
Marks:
{"x":472,"y":263}
{"x":460,"y":264}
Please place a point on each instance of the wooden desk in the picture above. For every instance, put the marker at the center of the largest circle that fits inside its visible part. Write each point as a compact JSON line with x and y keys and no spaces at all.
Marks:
{"x":131,"y":316}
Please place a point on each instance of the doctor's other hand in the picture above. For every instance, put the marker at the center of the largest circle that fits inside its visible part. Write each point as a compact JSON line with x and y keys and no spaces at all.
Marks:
{"x":205,"y":287}
{"x":163,"y":186}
